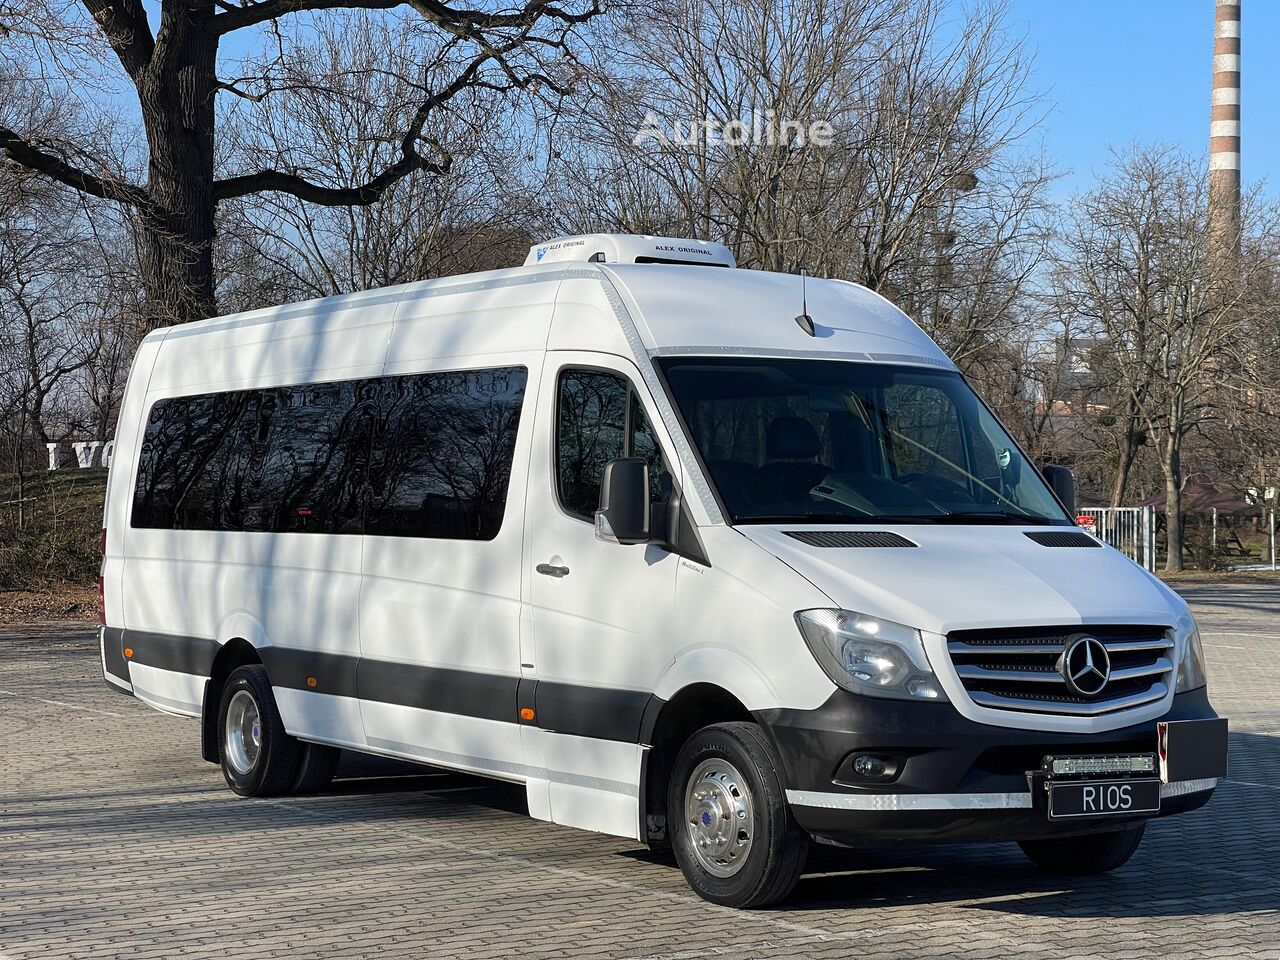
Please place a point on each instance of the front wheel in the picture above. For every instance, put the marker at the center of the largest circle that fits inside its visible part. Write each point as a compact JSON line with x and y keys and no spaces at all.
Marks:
{"x":1082,"y":856}
{"x":732,"y":831}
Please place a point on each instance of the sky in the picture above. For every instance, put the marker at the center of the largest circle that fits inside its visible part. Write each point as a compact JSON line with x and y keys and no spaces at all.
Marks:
{"x":1114,"y":71}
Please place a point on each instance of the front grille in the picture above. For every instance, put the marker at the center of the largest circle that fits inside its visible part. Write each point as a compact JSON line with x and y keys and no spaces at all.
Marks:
{"x":1020,"y":669}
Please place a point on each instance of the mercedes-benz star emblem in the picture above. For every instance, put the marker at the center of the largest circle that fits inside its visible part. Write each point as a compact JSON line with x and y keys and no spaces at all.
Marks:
{"x":1086,"y":666}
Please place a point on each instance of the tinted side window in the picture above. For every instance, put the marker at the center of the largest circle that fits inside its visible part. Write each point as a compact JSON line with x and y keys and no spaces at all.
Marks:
{"x":598,"y":419}
{"x":443,"y":450}
{"x":642,"y":443}
{"x":287,"y":459}
{"x":591,"y":420}
{"x":308,"y":475}
{"x":189,"y":473}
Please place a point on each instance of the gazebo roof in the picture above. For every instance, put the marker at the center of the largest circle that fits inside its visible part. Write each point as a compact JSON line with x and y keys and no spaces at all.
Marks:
{"x":1201,"y":496}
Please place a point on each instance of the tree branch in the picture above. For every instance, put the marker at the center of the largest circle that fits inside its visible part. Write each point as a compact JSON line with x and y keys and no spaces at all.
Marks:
{"x":303,"y":189}
{"x":440,"y":13}
{"x":28,"y":155}
{"x":372,"y":190}
{"x":124,"y":22}
{"x":237,"y":18}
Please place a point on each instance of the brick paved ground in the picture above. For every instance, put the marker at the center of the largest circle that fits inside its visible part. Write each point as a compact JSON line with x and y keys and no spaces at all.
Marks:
{"x":116,"y":840}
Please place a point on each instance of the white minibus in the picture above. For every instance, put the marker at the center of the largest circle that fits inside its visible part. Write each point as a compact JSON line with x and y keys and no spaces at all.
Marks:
{"x":719,"y":560}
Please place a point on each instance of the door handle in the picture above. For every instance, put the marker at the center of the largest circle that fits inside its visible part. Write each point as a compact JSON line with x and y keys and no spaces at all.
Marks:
{"x":551,"y":570}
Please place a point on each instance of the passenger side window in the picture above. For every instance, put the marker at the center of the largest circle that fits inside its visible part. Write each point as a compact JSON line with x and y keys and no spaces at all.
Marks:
{"x":189,"y":474}
{"x":301,"y":459}
{"x":444,"y":453}
{"x":310,"y":476}
{"x":600,"y":418}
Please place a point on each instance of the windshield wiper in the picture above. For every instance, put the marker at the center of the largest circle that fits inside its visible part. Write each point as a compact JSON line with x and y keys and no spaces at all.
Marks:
{"x":999,"y":516}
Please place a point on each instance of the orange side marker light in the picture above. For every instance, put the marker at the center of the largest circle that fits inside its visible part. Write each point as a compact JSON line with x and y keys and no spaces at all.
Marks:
{"x":128,"y":651}
{"x":526,"y":713}
{"x":311,"y":681}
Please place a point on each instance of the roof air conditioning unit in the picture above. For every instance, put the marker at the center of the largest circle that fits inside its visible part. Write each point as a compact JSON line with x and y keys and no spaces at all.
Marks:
{"x":629,"y":248}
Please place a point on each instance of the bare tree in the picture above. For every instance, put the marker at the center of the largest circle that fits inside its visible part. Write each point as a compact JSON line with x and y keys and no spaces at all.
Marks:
{"x":47,"y":301}
{"x":55,"y":53}
{"x":1246,"y":450}
{"x":424,"y":225}
{"x":917,"y":108}
{"x":1133,"y":264}
{"x":923,"y":192}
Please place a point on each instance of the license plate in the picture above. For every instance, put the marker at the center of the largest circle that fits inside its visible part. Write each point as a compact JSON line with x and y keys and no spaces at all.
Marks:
{"x":1103,"y":798}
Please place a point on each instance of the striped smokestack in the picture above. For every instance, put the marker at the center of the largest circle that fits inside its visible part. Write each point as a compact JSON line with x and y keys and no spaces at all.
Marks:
{"x":1224,"y":136}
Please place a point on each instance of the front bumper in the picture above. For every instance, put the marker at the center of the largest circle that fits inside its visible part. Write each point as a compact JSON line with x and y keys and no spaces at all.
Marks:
{"x":954,"y":779}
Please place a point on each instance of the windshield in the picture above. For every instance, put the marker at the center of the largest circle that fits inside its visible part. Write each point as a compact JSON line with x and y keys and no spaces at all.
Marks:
{"x":827,"y":441}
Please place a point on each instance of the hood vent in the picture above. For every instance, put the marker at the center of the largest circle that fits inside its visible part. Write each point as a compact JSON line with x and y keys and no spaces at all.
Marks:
{"x":849,"y":538}
{"x":1064,"y":538}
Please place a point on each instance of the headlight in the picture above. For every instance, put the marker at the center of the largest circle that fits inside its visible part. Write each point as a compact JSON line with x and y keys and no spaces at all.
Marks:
{"x":1190,"y":654}
{"x":867,"y":655}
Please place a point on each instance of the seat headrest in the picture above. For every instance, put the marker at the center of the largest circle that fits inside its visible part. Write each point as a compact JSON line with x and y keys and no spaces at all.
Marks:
{"x":791,"y":438}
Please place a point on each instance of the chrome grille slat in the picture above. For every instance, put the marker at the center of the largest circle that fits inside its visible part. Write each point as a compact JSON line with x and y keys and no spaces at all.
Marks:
{"x":972,"y":672}
{"x":1019,"y":668}
{"x":1159,"y":668}
{"x":1156,"y":692}
{"x":957,"y":646}
{"x":1132,"y":646}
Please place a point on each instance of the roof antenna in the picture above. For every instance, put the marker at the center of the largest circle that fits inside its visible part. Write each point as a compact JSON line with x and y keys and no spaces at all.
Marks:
{"x":805,"y":321}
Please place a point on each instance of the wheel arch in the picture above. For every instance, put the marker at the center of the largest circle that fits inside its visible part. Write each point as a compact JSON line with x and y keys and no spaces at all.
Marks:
{"x":235,"y":652}
{"x":719,"y":667}
{"x":667,"y":724}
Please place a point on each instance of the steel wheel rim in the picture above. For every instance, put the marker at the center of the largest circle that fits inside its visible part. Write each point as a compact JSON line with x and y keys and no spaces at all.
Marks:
{"x":242,"y":734}
{"x":719,"y":816}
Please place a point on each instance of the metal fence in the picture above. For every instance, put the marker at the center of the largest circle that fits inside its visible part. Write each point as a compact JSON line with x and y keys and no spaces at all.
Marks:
{"x":1131,"y":530}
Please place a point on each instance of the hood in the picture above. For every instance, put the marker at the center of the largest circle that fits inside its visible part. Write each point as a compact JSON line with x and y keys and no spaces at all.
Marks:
{"x":968,"y":576}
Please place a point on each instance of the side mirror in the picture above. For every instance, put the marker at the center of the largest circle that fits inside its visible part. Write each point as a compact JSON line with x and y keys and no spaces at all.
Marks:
{"x":1063,"y":483}
{"x":623,"y":516}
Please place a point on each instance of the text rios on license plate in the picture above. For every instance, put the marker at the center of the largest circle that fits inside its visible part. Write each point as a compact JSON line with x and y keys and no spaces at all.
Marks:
{"x":1103,"y":798}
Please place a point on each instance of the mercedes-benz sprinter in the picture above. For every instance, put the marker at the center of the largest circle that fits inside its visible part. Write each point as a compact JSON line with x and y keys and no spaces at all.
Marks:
{"x":715,"y":559}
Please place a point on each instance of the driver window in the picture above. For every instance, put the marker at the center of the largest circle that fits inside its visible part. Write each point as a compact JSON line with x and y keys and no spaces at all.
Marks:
{"x":600,"y":418}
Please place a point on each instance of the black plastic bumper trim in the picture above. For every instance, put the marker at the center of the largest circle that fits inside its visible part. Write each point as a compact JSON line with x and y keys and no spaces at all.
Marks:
{"x":943,"y":752}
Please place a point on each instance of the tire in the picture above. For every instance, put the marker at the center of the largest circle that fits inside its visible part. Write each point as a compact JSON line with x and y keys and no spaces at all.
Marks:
{"x":258,"y":758}
{"x":317,"y":767}
{"x":730,"y":769}
{"x":1082,"y":856}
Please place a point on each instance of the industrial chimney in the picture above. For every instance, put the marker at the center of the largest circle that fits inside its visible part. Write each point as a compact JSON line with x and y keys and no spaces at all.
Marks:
{"x":1224,"y":140}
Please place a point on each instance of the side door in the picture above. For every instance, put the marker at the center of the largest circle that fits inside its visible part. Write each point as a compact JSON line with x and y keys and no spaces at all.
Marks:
{"x":600,"y":615}
{"x":440,"y":599}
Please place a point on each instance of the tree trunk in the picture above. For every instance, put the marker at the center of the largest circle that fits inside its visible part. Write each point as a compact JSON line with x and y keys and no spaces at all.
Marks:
{"x":1173,"y":506}
{"x":1128,"y":453}
{"x":35,"y":415}
{"x":176,"y":94}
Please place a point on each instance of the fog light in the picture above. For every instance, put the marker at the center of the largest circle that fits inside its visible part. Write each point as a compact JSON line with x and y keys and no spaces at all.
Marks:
{"x":870,"y":766}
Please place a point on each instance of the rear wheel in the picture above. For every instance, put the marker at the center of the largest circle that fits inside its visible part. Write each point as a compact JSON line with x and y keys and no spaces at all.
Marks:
{"x":316,"y":768}
{"x":728,"y":821}
{"x":259,"y":759}
{"x":1081,"y":856}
